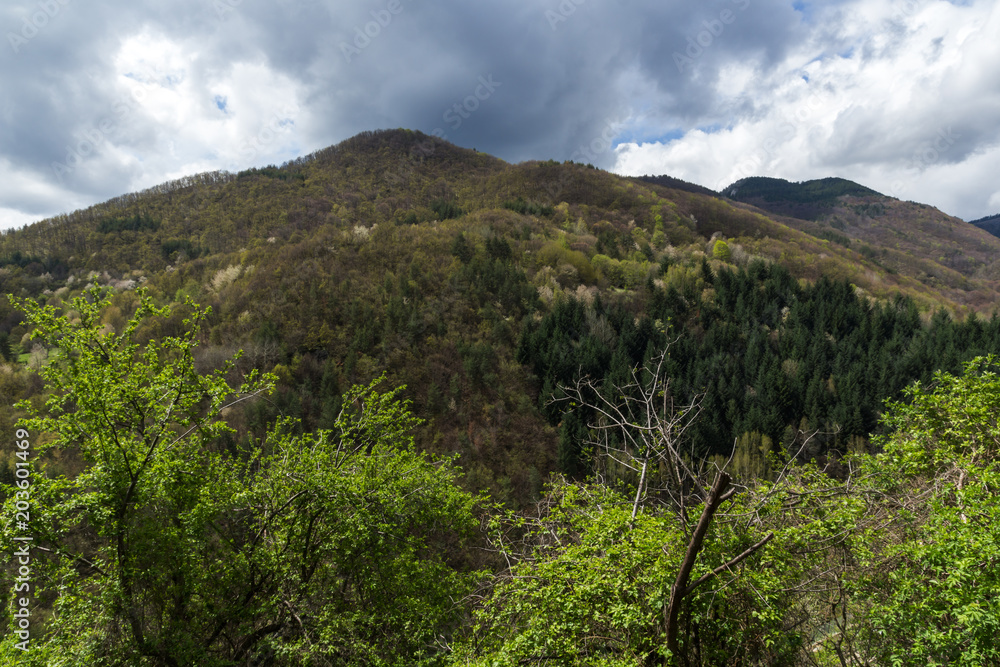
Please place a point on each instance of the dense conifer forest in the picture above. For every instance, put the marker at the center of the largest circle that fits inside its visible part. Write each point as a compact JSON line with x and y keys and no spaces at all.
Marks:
{"x":770,"y":359}
{"x":400,"y":403}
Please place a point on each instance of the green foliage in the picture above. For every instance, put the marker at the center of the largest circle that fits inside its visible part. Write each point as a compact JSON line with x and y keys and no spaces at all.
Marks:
{"x":571,"y":456}
{"x":271,"y":171}
{"x":586,"y":595}
{"x":721,"y":251}
{"x":990,"y":223}
{"x":461,"y":248}
{"x":175,"y":545}
{"x":951,"y":422}
{"x":494,"y":278}
{"x":142,"y":418}
{"x":771,"y":356}
{"x":175,"y":249}
{"x":869,"y":252}
{"x":20,"y":259}
{"x":937,"y":604}
{"x":523,"y":207}
{"x":371,"y":552}
{"x":831,"y":235}
{"x":626,"y":274}
{"x":933,"y":600}
{"x":589,"y":584}
{"x":806,"y":192}
{"x":327,"y":289}
{"x":136,"y":223}
{"x":446,"y":210}
{"x":678,"y":184}
{"x":808,"y":200}
{"x":556,"y":255}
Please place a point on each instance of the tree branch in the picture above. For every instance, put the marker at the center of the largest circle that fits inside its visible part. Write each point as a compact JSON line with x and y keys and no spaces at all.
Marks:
{"x":722,"y":568}
{"x":680,"y":587}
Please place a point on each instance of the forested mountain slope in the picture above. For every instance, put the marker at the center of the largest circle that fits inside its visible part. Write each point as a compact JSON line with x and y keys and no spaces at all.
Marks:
{"x":909,"y":239}
{"x":990,"y":224}
{"x":807,"y":200}
{"x":483,"y":286}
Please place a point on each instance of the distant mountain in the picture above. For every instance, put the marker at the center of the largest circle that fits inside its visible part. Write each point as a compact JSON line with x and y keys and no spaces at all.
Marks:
{"x":807,"y":199}
{"x":390,"y":178}
{"x":903,"y":238}
{"x":990,"y":223}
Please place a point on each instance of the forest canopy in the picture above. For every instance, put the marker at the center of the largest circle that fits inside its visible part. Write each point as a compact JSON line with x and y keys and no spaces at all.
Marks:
{"x":177,"y":545}
{"x":435,"y":408}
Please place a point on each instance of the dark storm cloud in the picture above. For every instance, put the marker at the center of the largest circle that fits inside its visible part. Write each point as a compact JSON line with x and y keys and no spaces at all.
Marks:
{"x":563,"y":65}
{"x":559,"y":73}
{"x":521,"y":79}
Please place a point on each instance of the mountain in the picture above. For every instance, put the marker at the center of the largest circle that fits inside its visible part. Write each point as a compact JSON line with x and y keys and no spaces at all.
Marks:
{"x":505,"y":306}
{"x":485,"y":286}
{"x":990,"y":223}
{"x":807,"y":200}
{"x":906,"y":239}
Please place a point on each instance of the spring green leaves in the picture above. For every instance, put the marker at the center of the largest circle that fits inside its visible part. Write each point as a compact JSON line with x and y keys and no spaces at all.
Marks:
{"x":935,"y":599}
{"x":177,"y":545}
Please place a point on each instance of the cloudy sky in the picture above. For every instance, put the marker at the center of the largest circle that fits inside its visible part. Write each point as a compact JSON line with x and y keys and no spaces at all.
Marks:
{"x":99,"y":99}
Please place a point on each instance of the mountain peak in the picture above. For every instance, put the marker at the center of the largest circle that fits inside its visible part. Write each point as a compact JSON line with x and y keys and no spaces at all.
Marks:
{"x":778,"y":189}
{"x":808,"y":200}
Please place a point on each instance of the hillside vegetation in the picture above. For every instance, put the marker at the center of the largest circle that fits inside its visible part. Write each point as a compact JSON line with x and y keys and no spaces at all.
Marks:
{"x":378,"y":406}
{"x":906,"y":239}
{"x":445,"y":267}
{"x":177,"y":543}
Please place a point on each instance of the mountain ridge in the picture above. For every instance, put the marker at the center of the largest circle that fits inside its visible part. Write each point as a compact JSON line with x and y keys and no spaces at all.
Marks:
{"x":807,"y":200}
{"x":403,"y":176}
{"x":990,"y":223}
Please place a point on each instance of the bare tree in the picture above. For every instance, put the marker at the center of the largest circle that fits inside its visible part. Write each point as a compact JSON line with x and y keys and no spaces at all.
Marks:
{"x":640,"y":427}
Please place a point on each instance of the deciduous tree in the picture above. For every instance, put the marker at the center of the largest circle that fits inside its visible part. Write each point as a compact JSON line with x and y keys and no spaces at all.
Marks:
{"x":170,"y":548}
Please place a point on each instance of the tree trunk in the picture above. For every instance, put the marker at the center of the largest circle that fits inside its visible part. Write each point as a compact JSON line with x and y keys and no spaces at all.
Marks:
{"x":716,"y":497}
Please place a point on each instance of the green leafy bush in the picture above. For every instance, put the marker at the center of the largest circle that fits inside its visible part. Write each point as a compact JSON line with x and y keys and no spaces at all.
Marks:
{"x":177,"y":545}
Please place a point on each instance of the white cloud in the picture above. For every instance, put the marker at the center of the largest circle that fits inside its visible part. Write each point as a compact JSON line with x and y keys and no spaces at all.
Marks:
{"x":137,"y":106}
{"x":207,"y":115}
{"x":909,"y":105}
{"x":27,"y":194}
{"x":127,"y":95}
{"x":13,"y":218}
